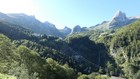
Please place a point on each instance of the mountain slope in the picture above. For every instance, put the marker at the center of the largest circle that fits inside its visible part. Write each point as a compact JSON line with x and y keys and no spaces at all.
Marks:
{"x":14,"y":31}
{"x":46,"y":46}
{"x":95,"y":53}
{"x":61,"y":50}
{"x":65,"y":30}
{"x":78,"y":29}
{"x":111,"y":52}
{"x":23,"y":63}
{"x":15,"y":61}
{"x":118,"y":20}
{"x":124,"y":47}
{"x":31,"y":23}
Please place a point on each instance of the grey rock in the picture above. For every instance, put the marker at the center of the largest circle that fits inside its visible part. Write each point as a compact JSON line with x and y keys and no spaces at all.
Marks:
{"x":66,"y":30}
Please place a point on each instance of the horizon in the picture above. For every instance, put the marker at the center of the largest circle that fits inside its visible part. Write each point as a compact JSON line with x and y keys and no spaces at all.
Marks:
{"x":71,"y":12}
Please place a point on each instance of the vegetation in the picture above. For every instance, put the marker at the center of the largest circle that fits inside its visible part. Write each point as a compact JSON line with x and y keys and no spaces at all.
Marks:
{"x":87,"y":55}
{"x":5,"y":76}
{"x":93,"y":76}
{"x":24,"y":63}
{"x":125,"y":47}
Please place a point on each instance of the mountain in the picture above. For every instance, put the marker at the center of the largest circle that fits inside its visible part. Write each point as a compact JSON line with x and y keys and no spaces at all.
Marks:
{"x":14,"y":32}
{"x":31,"y":23}
{"x":119,"y":16}
{"x":125,"y":48}
{"x":19,"y":62}
{"x":83,"y":57}
{"x":101,"y":26}
{"x":78,"y":28}
{"x":66,"y":30}
{"x":118,"y":20}
{"x":25,"y":54}
{"x":50,"y":25}
{"x":62,"y":51}
{"x":52,"y":29}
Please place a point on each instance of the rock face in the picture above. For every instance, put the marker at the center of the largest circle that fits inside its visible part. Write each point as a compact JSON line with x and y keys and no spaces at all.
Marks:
{"x":77,"y":28}
{"x":66,"y":30}
{"x":118,"y":20}
{"x":31,"y":23}
{"x":120,"y":16}
{"x":52,"y":29}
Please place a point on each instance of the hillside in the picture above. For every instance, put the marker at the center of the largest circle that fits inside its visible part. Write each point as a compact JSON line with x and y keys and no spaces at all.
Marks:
{"x":118,"y":20}
{"x":125,"y":48}
{"x":121,"y":44}
{"x":23,"y":63}
{"x":17,"y":60}
{"x":31,"y":23}
{"x":83,"y":54}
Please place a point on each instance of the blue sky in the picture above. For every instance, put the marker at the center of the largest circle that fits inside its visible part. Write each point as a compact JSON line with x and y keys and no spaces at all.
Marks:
{"x":72,"y":12}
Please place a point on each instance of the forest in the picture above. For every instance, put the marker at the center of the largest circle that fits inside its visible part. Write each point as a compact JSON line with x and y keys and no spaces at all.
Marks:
{"x":85,"y":55}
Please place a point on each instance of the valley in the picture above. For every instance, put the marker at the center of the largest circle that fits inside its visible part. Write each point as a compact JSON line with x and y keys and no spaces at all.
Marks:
{"x":30,"y":49}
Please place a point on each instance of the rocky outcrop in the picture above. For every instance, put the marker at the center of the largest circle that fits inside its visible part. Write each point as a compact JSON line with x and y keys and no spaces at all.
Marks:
{"x":66,"y":30}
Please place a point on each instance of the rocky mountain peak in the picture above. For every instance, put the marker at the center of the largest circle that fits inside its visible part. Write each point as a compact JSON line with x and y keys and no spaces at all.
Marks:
{"x":119,"y":19}
{"x":66,"y":27}
{"x":66,"y":30}
{"x":118,"y":13}
{"x":119,"y":16}
{"x":77,"y":28}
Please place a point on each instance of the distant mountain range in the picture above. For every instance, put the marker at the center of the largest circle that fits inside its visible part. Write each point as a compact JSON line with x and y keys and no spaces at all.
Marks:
{"x":31,"y":23}
{"x":29,"y":49}
{"x":118,"y":20}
